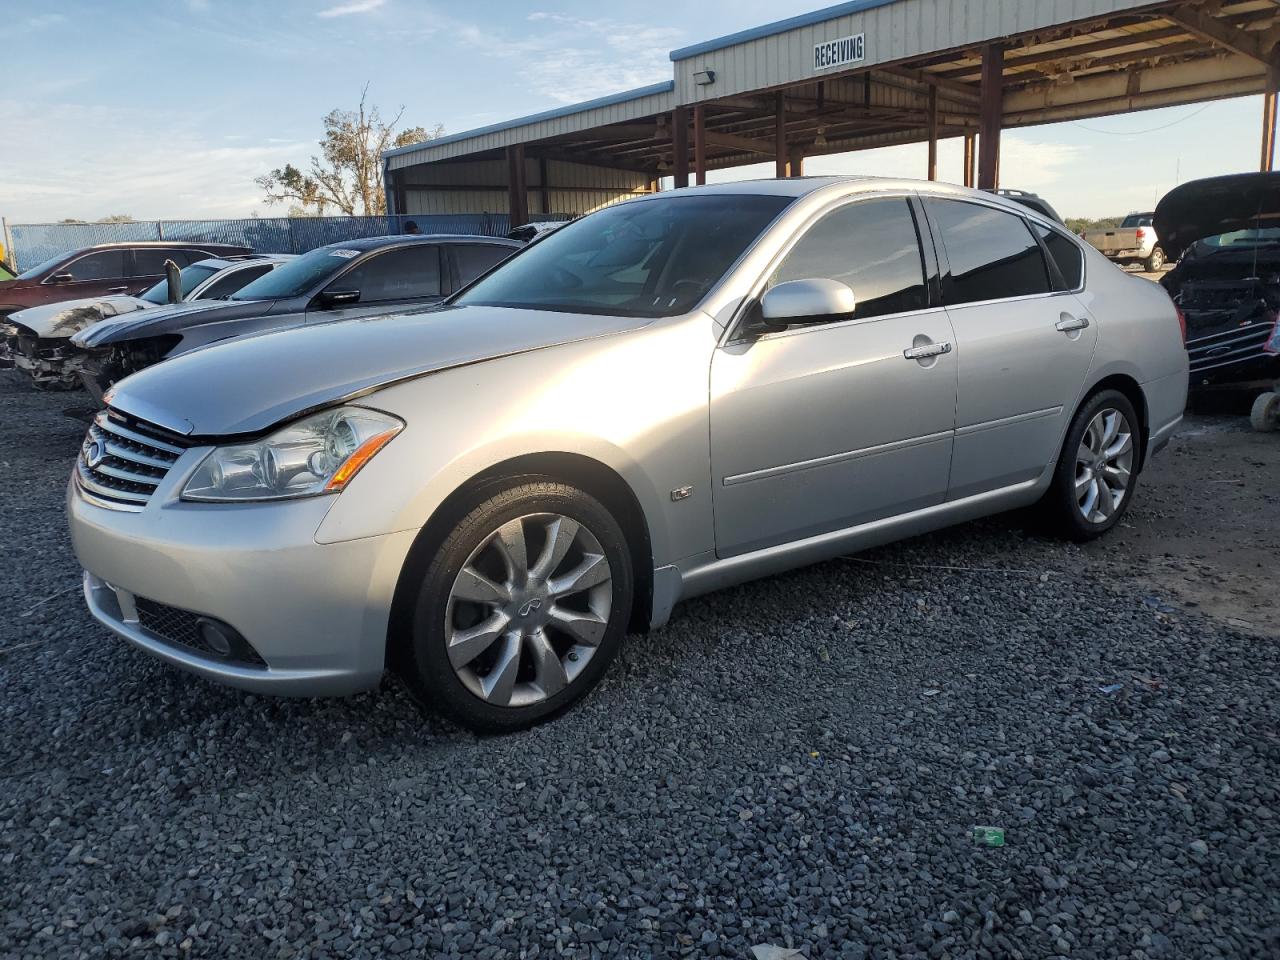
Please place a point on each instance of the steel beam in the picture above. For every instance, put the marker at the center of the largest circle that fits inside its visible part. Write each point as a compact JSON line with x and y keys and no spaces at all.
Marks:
{"x":517,"y":187}
{"x":1269,"y":121}
{"x":932,"y":123}
{"x":1200,"y":24}
{"x":680,"y":146}
{"x":970,"y":159}
{"x":780,"y":137}
{"x":699,"y":144}
{"x":992,"y":116}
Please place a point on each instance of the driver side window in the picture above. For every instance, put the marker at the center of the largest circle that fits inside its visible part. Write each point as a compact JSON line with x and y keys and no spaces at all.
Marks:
{"x":402,"y":274}
{"x":871,"y":246}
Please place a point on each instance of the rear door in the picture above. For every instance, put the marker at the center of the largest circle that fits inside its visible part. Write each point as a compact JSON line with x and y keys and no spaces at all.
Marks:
{"x":388,"y":281}
{"x":1024,"y":344}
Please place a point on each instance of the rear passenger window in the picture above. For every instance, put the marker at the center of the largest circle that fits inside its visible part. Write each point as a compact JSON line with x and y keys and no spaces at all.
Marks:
{"x":992,"y":253}
{"x":233,"y":281}
{"x":1066,"y":255}
{"x":871,"y":246}
{"x":149,"y":261}
{"x":476,"y":258}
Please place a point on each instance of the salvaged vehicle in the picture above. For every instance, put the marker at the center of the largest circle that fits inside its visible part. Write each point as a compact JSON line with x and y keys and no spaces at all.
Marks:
{"x":1227,"y":284}
{"x":37,"y":340}
{"x":103,"y":269}
{"x":1136,"y":240}
{"x":354,"y":278}
{"x":668,"y":396}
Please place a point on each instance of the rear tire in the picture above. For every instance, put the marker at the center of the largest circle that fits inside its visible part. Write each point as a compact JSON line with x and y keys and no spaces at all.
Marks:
{"x":520,"y":608}
{"x":1154,"y":262}
{"x":1097,"y":469}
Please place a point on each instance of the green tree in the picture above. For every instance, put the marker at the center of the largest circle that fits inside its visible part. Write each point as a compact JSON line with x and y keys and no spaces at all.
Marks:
{"x":347,"y":175}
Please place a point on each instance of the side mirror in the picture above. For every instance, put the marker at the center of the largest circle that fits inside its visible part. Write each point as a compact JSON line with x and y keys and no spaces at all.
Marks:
{"x":805,"y":302}
{"x":62,"y":278}
{"x":339,"y":298}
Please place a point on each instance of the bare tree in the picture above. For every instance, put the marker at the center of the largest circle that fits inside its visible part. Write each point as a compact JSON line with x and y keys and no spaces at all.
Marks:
{"x":347,"y":176}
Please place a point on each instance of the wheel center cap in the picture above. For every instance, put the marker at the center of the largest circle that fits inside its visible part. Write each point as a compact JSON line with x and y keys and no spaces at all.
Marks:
{"x":529,"y":607}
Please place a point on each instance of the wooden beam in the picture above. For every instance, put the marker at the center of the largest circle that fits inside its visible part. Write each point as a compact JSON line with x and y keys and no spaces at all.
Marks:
{"x":680,"y":146}
{"x":992,"y":116}
{"x":517,"y":189}
{"x":699,"y":144}
{"x":932,"y":124}
{"x":780,"y":136}
{"x":1209,"y":28}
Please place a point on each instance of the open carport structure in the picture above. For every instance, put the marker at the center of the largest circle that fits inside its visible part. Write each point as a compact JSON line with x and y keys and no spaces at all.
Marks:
{"x":858,"y":75}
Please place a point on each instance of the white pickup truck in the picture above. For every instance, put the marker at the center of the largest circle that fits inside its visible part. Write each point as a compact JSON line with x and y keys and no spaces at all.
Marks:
{"x":1134,"y":241}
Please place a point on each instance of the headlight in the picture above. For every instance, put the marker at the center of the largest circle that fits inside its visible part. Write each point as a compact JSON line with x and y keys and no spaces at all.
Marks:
{"x":318,"y":454}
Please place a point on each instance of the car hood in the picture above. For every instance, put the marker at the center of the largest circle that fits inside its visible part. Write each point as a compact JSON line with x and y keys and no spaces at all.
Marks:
{"x":246,"y":386}
{"x":170,"y":319}
{"x":54,"y":320}
{"x":1206,"y":208}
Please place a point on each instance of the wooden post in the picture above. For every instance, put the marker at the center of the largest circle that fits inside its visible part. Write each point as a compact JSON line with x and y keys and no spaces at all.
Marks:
{"x":1269,"y":120}
{"x":517,"y":186}
{"x":680,"y":146}
{"x":970,"y":158}
{"x":933,"y":133}
{"x":992,"y":116}
{"x":780,"y":138}
{"x":699,"y":144}
{"x":795,"y":162}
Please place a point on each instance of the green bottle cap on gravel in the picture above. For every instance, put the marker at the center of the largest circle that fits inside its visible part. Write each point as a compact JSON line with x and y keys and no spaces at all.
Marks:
{"x":989,"y":836}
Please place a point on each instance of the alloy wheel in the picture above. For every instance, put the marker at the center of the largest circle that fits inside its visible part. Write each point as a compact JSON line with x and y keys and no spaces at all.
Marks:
{"x":528,"y":610}
{"x":1104,"y":465}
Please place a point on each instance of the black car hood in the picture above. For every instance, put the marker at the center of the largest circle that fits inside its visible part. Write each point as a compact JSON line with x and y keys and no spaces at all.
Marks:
{"x":169,"y":319}
{"x":1206,"y":208}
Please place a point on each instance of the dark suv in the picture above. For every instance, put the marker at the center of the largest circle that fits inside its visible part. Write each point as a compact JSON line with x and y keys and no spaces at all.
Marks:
{"x":103,"y":269}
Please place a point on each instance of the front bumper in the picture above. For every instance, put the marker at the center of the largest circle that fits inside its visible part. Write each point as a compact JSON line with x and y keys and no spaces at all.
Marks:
{"x":314,"y":615}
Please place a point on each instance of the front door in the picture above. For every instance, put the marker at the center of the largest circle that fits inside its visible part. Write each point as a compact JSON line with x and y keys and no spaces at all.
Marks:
{"x":397,"y":279}
{"x":1024,"y":348}
{"x":817,"y":428}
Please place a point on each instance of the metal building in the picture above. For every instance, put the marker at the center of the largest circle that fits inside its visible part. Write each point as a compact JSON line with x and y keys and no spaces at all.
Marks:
{"x":858,"y":75}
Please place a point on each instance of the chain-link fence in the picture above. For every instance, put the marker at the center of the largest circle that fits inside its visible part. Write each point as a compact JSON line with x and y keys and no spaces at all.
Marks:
{"x":33,"y":243}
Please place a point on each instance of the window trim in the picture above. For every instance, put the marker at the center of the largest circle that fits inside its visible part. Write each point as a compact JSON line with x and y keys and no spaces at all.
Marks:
{"x":945,"y":259}
{"x":733,"y":330}
{"x":1075,"y":241}
{"x":125,"y":253}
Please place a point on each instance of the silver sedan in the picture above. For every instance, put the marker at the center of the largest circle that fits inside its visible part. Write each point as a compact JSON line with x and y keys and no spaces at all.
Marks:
{"x":668,"y":396}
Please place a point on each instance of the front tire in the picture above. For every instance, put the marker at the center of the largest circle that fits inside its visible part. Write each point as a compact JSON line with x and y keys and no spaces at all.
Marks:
{"x":1097,"y":470}
{"x":520,"y":609}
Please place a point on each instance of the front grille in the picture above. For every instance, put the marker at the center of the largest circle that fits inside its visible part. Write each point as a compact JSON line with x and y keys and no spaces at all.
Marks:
{"x":1229,"y":346}
{"x":182,"y":628}
{"x":122,"y":465}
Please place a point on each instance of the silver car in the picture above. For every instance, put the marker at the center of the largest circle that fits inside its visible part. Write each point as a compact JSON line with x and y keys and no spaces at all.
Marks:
{"x":668,"y":396}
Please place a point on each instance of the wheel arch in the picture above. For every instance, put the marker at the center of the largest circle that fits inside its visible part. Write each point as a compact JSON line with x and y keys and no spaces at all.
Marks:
{"x":1132,"y":390}
{"x":586,"y":473}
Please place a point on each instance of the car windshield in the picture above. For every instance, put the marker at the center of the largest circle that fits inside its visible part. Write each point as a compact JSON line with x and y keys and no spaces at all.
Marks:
{"x":40,"y":268}
{"x":650,"y":258}
{"x":299,"y":276}
{"x":192,"y":277}
{"x":1136,"y":220}
{"x":1244,"y":238}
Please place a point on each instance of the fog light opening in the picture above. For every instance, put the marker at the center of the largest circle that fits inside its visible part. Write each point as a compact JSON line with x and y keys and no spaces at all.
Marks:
{"x":215,"y":637}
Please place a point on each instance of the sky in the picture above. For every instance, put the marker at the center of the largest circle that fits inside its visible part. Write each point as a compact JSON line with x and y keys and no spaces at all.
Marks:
{"x":170,"y":108}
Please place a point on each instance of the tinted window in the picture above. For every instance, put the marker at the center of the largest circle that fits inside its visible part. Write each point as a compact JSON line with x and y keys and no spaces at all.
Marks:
{"x":1066,"y":255}
{"x":102,"y":265}
{"x":149,"y":261}
{"x":192,"y":277}
{"x":32,"y":272}
{"x":872,"y":247}
{"x":993,"y":254}
{"x":395,"y":275}
{"x":231,"y":281}
{"x":299,"y":276}
{"x":648,"y":258}
{"x":476,"y":258}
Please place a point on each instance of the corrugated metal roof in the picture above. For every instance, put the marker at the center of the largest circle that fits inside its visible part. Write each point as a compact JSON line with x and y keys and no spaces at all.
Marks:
{"x":778,"y":26}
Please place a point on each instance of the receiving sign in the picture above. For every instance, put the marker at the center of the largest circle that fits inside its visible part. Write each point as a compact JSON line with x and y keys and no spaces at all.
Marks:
{"x":838,"y":53}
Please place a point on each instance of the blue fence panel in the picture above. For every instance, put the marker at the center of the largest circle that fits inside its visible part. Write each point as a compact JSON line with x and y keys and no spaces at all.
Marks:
{"x":33,"y":243}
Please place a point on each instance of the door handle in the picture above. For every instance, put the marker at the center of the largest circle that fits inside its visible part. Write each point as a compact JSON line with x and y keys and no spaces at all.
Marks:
{"x":927,"y":350}
{"x":1069,"y":323}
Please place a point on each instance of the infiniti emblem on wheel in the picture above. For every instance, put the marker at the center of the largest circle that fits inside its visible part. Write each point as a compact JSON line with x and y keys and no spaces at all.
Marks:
{"x":529,"y":607}
{"x":96,"y":453}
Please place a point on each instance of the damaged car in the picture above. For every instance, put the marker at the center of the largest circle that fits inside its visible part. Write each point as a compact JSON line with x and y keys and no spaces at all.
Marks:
{"x":38,"y":340}
{"x":353,"y":278}
{"x":1227,"y":285}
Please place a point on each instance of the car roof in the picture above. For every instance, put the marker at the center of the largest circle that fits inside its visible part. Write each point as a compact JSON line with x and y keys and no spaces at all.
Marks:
{"x":221,"y":263}
{"x":166,"y":244}
{"x":373,"y":243}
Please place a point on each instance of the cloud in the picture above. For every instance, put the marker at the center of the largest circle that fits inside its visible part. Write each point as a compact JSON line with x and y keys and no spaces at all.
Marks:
{"x":568,"y":59}
{"x":348,"y":9}
{"x":42,"y":21}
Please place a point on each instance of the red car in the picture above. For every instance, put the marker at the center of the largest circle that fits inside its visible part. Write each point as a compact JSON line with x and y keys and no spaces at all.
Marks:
{"x":103,"y":269}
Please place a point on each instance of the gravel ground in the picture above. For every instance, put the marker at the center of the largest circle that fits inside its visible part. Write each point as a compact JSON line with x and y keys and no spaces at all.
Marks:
{"x":798,"y":763}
